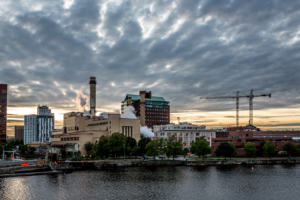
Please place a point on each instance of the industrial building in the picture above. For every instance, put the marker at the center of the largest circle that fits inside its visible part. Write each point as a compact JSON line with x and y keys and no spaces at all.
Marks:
{"x":19,"y":132}
{"x":80,"y":128}
{"x":184,"y":130}
{"x":152,"y":110}
{"x":3,"y":112}
{"x":38,"y":128}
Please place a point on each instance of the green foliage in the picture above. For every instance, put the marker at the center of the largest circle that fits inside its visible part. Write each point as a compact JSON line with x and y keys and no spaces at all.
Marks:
{"x":225,"y":149}
{"x":31,"y":149}
{"x":115,"y":144}
{"x":102,"y":148}
{"x":249,"y":147}
{"x":174,"y":147}
{"x":269,"y":148}
{"x":233,"y":148}
{"x":89,"y":148}
{"x":290,"y":149}
{"x":130,"y":145}
{"x":202,"y":147}
{"x":185,"y":151}
{"x":142,"y":144}
{"x":153,"y":147}
{"x":193,"y":148}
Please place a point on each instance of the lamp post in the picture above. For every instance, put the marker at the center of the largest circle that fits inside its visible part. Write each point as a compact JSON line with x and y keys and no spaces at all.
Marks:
{"x":124,"y":151}
{"x":3,"y":152}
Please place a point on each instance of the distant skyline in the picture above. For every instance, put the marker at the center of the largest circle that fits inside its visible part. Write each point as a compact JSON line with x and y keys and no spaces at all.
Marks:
{"x":181,"y":50}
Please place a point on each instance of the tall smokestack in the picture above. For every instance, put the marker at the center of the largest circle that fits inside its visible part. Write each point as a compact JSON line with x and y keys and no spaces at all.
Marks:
{"x":143,"y":96}
{"x":93,"y":95}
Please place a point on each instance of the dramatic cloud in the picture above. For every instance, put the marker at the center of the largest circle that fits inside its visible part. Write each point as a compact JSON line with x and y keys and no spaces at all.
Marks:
{"x":181,"y":50}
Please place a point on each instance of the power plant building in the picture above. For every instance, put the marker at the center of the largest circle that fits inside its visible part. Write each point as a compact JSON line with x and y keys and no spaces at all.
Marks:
{"x":152,"y":110}
{"x":80,"y":128}
{"x":3,"y":112}
{"x":38,"y":128}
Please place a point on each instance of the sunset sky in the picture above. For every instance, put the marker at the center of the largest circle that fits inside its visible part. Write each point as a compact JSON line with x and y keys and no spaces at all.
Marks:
{"x":181,"y":50}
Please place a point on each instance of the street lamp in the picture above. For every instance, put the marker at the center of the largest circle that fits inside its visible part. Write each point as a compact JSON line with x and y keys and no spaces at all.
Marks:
{"x":124,"y":151}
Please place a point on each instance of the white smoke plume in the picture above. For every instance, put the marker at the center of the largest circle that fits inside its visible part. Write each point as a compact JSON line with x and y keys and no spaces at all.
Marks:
{"x":81,"y":101}
{"x":146,"y":132}
{"x":87,"y":114}
{"x":129,"y":113}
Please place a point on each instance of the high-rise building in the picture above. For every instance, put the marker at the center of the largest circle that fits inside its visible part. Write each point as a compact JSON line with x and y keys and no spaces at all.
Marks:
{"x":19,"y":132}
{"x":3,"y":112}
{"x":38,"y":128}
{"x":150,"y":109}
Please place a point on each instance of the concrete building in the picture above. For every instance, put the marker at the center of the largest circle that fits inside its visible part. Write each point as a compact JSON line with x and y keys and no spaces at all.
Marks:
{"x":150,"y":109}
{"x":19,"y":132}
{"x":38,"y":128}
{"x":187,"y":131}
{"x":80,"y":128}
{"x":3,"y":112}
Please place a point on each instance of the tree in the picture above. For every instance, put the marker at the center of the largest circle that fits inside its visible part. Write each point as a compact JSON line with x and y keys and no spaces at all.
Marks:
{"x":130,"y":145}
{"x":142,"y":144}
{"x":269,"y":148}
{"x":249,"y":147}
{"x":88,"y":148}
{"x":185,"y":151}
{"x":31,"y":149}
{"x":290,"y":148}
{"x":193,"y":148}
{"x":202,"y":147}
{"x":233,"y":149}
{"x":152,"y":148}
{"x":101,"y":148}
{"x":261,"y":151}
{"x":174,"y":147}
{"x":225,"y":149}
{"x":115,"y":143}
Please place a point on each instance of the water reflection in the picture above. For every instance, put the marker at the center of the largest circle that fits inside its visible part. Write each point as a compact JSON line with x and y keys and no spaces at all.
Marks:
{"x":227,"y":182}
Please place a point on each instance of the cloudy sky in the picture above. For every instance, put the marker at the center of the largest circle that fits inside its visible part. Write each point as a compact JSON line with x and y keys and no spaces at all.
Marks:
{"x":181,"y":50}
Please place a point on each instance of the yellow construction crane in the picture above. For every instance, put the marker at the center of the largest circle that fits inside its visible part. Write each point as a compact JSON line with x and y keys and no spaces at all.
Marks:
{"x":236,"y":97}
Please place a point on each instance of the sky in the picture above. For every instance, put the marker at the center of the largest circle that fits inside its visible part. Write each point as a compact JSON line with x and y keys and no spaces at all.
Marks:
{"x":181,"y":50}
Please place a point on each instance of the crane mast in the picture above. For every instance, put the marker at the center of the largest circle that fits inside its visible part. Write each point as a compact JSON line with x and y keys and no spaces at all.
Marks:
{"x":237,"y":97}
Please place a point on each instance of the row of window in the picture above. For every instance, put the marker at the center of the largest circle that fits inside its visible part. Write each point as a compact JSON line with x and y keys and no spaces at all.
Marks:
{"x":2,"y":106}
{"x":73,"y":128}
{"x":184,"y":128}
{"x":2,"y":121}
{"x":4,"y":91}
{"x":69,"y":139}
{"x":3,"y":111}
{"x":2,"y":116}
{"x":154,"y":113}
{"x":3,"y":96}
{"x":3,"y":101}
{"x":153,"y":120}
{"x":127,"y":131}
{"x":186,"y":134}
{"x":166,"y":117}
{"x":157,"y":109}
{"x":97,"y":124}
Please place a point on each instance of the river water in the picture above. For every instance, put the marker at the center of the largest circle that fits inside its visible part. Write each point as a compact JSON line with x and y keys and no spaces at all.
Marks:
{"x":214,"y":182}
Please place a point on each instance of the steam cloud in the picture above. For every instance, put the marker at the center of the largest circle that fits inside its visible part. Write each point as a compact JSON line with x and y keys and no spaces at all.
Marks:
{"x":81,"y":101}
{"x":146,"y":132}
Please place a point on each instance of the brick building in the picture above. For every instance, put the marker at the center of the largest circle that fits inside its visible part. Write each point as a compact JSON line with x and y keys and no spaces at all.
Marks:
{"x":240,"y":138}
{"x":152,"y":110}
{"x":3,"y":112}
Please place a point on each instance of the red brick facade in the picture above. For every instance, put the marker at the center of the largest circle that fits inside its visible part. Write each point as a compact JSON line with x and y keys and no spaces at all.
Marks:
{"x":3,"y":112}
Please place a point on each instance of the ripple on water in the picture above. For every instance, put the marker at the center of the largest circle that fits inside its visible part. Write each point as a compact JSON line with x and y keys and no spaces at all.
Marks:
{"x":226,"y":182}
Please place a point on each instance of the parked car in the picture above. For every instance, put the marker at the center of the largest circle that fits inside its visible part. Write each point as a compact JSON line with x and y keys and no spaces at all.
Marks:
{"x":162,"y":156}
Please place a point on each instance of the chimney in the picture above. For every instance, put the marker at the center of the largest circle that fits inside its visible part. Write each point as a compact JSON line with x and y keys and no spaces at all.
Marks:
{"x":93,"y":95}
{"x":129,"y":101}
{"x":143,"y":96}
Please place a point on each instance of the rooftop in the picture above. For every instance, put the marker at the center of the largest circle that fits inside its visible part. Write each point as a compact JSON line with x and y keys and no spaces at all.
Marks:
{"x":138,"y":98}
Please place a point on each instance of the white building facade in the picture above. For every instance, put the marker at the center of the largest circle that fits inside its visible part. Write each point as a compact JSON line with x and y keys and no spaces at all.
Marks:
{"x":38,"y":128}
{"x":186,"y":131}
